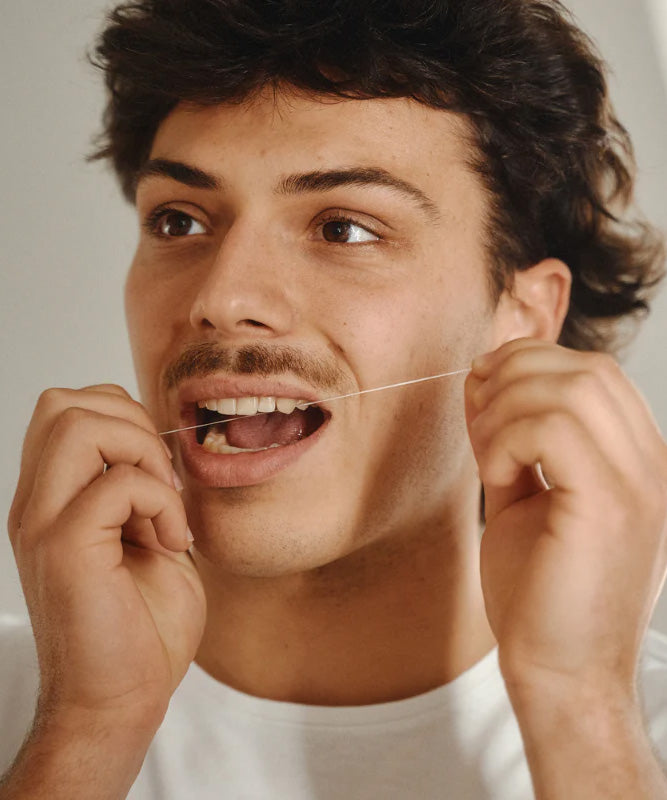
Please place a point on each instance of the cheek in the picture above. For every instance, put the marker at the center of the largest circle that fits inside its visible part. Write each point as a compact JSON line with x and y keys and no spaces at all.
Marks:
{"x":154,"y":300}
{"x":377,"y":332}
{"x":405,"y":335}
{"x":132,"y":295}
{"x":142,"y":310}
{"x":150,"y":316}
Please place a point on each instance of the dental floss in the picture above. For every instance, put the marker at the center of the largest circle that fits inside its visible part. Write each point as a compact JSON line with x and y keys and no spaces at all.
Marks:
{"x":328,"y":399}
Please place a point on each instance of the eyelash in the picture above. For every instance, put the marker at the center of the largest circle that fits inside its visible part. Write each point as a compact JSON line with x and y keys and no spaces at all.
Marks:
{"x":341,"y":217}
{"x":153,"y":220}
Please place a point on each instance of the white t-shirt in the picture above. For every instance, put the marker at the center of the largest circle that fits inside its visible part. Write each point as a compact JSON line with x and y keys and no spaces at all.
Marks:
{"x":460,"y":741}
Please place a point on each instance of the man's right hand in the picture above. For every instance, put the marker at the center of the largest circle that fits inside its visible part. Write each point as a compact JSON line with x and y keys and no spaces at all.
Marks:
{"x":116,"y":605}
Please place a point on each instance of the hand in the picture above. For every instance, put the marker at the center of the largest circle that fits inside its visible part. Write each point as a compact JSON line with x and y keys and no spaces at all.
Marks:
{"x":116,"y":604}
{"x":570,"y":574}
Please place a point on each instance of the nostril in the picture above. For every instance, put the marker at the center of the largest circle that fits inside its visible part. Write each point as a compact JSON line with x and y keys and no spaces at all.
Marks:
{"x":254,"y":323}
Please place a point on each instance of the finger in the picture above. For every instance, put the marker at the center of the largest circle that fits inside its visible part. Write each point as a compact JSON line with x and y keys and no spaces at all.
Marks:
{"x":141,"y":533}
{"x":50,"y":406}
{"x":561,"y":444}
{"x":525,"y":357}
{"x":79,"y":446}
{"x":108,"y":388}
{"x":579,"y":394}
{"x":119,"y":391}
{"x":94,"y":520}
{"x":528,"y":483}
{"x":485,"y":364}
{"x":522,"y":357}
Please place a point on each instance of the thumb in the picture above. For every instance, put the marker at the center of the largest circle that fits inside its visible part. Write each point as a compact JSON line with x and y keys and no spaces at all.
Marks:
{"x":498,"y":498}
{"x":529,"y":481}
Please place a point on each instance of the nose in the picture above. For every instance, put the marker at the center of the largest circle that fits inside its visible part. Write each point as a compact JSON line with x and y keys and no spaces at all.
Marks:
{"x":244,"y":292}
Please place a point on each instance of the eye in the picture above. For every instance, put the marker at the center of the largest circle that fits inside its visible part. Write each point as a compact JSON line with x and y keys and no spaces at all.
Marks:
{"x":171,"y":223}
{"x":346,"y":231}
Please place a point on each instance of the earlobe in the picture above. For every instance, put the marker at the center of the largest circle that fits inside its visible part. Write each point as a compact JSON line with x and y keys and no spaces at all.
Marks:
{"x":536,"y":304}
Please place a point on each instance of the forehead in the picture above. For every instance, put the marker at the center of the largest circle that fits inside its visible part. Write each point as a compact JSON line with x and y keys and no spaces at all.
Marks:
{"x":289,"y":130}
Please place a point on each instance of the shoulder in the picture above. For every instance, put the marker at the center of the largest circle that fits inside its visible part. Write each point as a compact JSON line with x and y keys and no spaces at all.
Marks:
{"x":19,"y":683}
{"x":653,"y":689}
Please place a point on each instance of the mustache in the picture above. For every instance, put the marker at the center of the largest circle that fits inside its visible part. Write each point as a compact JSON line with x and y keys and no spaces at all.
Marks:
{"x":200,"y":360}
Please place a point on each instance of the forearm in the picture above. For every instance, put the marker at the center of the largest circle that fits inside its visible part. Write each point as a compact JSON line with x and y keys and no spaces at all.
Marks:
{"x":593,"y":746}
{"x":76,"y":762}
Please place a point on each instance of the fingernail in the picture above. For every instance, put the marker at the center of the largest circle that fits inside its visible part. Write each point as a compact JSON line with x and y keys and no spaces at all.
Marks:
{"x":189,"y":535}
{"x":166,"y":449}
{"x":178,"y":483}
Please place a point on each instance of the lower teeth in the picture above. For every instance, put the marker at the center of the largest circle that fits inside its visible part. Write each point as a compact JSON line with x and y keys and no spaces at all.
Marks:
{"x":217,"y":443}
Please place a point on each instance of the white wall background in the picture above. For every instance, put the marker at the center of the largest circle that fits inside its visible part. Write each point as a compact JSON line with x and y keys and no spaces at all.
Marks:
{"x":67,"y":238}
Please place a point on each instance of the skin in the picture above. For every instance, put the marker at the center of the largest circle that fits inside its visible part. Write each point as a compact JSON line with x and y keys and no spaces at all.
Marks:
{"x":301,"y":572}
{"x":367,"y":548}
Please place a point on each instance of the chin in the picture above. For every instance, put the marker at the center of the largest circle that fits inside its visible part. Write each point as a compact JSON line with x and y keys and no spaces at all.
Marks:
{"x":243,"y":541}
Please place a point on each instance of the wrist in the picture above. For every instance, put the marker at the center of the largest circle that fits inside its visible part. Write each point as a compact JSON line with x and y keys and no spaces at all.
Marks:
{"x":565,"y":709}
{"x":545,"y":697}
{"x":75,"y":754}
{"x":80,"y":727}
{"x":585,"y":742}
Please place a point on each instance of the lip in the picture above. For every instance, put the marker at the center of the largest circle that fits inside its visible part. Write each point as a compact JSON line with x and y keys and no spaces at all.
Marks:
{"x":241,"y":469}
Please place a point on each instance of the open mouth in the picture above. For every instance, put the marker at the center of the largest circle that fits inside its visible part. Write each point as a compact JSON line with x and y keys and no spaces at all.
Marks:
{"x":254,"y":424}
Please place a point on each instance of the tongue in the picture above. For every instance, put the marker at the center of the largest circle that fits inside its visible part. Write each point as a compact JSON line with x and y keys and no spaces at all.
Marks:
{"x":264,"y":430}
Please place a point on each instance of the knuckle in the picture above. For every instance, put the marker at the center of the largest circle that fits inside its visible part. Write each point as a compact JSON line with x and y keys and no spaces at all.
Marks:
{"x":143,"y":413}
{"x":581,"y":385}
{"x":503,"y":440}
{"x":515,"y":359}
{"x":120,"y":473}
{"x":14,"y":524}
{"x":603,"y":364}
{"x":557,"y":426}
{"x":136,"y":411}
{"x":518,"y":363}
{"x":17,"y":518}
{"x":110,"y":388}
{"x":52,"y":398}
{"x":71,"y":418}
{"x":555,"y":421}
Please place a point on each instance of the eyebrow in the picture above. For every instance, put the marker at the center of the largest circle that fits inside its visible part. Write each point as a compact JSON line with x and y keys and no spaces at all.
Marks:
{"x":178,"y":171}
{"x":318,"y":181}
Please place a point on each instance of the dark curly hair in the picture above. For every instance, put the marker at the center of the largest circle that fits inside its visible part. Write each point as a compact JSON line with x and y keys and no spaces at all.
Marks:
{"x":557,"y":164}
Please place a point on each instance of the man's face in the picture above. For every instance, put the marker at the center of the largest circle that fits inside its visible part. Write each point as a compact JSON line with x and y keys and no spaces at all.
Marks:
{"x":333,"y":246}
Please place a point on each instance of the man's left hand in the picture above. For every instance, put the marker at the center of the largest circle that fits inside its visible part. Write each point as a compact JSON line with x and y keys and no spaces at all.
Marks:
{"x":571,"y":573}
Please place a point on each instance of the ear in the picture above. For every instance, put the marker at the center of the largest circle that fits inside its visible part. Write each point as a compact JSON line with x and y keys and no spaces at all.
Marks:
{"x":536,"y":304}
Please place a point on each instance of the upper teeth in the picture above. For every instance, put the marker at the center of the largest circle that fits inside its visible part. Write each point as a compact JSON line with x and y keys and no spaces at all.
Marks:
{"x":248,"y":406}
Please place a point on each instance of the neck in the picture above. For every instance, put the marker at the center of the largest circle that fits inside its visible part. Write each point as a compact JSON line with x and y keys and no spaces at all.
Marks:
{"x":396,"y":619}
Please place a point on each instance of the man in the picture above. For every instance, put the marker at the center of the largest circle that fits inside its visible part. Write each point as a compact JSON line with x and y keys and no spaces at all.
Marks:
{"x":334,"y":198}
